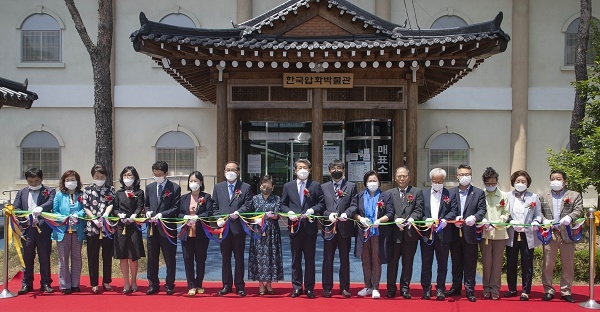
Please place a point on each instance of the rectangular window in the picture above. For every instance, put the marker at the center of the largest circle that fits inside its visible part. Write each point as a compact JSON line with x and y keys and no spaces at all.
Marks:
{"x":448,"y":160}
{"x":571,"y":50}
{"x":46,"y":159}
{"x":40,"y":46}
{"x":181,"y":161}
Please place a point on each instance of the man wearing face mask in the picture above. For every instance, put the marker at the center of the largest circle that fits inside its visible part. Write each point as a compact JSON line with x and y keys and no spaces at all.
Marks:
{"x":340,"y":204}
{"x":36,"y":198}
{"x":560,"y":207}
{"x":437,"y":208}
{"x":230,"y":198}
{"x":162,"y":201}
{"x":408,"y":207}
{"x":303,"y":197}
{"x":471,"y":209}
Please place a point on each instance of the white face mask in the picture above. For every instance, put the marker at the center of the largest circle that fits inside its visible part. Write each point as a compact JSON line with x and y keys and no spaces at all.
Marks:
{"x":230,"y":176}
{"x":520,"y":187}
{"x":128,"y":182}
{"x":194,"y":186}
{"x":437,"y":186}
{"x":556,"y":185}
{"x":372,"y":186}
{"x":35,"y":188}
{"x":71,"y":185}
{"x":159,"y":180}
{"x":465,"y":180}
{"x":491,"y":189}
{"x":99,"y":182}
{"x":302,"y":174}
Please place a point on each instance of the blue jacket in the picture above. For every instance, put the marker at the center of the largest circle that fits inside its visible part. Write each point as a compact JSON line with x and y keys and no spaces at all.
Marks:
{"x":62,"y":206}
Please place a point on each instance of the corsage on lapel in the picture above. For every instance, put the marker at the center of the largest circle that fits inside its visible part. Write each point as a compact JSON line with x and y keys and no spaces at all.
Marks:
{"x":236,"y":194}
{"x":380,"y":204}
{"x":567,"y":200}
{"x":45,"y":193}
{"x":340,"y":193}
{"x":410,"y":198}
{"x":201,"y":201}
{"x":446,"y":199}
{"x":531,"y":205}
{"x":166,"y":194}
{"x":502,"y":203}
{"x":306,"y":193}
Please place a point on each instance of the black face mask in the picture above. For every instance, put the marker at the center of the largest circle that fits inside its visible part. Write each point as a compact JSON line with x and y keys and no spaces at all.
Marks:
{"x":337,"y":175}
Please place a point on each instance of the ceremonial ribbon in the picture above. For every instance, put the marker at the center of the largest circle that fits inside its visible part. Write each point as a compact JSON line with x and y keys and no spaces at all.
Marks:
{"x":15,"y":231}
{"x":578,"y":233}
{"x":209,"y":231}
{"x":249,"y":230}
{"x":544,"y":235}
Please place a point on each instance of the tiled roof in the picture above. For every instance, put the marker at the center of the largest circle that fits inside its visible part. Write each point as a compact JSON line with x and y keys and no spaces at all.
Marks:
{"x":16,"y":94}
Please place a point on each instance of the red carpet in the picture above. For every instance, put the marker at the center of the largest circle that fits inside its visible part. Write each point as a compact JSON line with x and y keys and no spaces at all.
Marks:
{"x":109,"y":301}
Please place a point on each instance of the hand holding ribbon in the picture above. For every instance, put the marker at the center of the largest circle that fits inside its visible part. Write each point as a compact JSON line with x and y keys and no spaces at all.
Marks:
{"x":470,"y":220}
{"x":332,"y":217}
{"x":292,"y":216}
{"x":566,"y":220}
{"x":270,"y":214}
{"x":400,"y":223}
{"x":343,"y":217}
{"x":458,"y":222}
{"x":376,"y":223}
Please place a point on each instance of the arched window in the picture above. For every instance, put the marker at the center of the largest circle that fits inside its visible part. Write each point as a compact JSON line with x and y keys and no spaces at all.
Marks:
{"x":178,"y":19}
{"x":40,"y":39}
{"x":40,"y":149}
{"x":571,"y":44}
{"x":448,"y":21}
{"x":178,"y":150}
{"x":448,"y":151}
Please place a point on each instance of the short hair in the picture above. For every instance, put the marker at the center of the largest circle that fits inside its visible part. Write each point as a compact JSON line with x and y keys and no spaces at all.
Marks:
{"x":136,"y":176}
{"x":265,"y":178}
{"x":33,"y":173}
{"x":489,"y":173}
{"x":336,"y":163}
{"x":519,"y":173}
{"x":237,"y":164}
{"x":304,"y":161}
{"x":463,"y":166}
{"x":97,"y":168}
{"x":561,"y":172}
{"x":402,"y":167}
{"x":371,"y":173}
{"x":198,"y":175}
{"x":437,"y":172}
{"x":161,"y":165}
{"x":68,"y":173}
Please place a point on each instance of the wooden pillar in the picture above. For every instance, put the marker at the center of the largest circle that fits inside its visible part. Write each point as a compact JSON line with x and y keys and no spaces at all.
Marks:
{"x":233,"y":135}
{"x":398,"y":139}
{"x":317,"y":135}
{"x":383,"y":9}
{"x":519,"y":84}
{"x":244,"y":10}
{"x":222,"y":129}
{"x":411,"y":130}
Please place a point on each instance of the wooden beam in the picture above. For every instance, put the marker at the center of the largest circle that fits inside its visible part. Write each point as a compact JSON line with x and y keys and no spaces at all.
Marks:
{"x":233,"y":136}
{"x":222,"y":129}
{"x":411,"y":129}
{"x":317,"y":135}
{"x":398,"y":139}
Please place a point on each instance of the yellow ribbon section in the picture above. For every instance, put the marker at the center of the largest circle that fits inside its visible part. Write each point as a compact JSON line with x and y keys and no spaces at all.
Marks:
{"x":13,"y":238}
{"x":597,"y":217}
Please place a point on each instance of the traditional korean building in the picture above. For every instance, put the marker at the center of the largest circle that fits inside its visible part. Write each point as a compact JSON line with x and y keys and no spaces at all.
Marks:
{"x":320,"y":80}
{"x":15,"y":94}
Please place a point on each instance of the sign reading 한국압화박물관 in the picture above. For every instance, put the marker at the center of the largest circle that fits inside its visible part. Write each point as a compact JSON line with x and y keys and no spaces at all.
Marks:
{"x":318,"y":80}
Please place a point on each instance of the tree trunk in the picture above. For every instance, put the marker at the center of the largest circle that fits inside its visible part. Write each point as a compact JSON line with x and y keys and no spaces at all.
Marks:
{"x":583,"y":34}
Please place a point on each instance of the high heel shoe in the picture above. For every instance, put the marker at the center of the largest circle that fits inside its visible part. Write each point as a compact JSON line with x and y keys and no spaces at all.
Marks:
{"x":94,"y":289}
{"x":134,"y":288}
{"x":127,"y":291}
{"x":106,"y":287}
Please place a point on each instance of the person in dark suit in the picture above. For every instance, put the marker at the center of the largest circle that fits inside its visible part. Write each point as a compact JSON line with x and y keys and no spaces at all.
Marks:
{"x":304,"y":197}
{"x":230,"y":198}
{"x":340,"y":204}
{"x":162,"y":201}
{"x":36,"y":198}
{"x":194,"y":243}
{"x":438,"y":208}
{"x":408,"y":207}
{"x":471,"y":209}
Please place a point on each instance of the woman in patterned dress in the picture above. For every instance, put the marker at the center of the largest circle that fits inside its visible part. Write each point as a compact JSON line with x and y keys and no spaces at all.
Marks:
{"x":265,"y":262}
{"x":98,"y":202}
{"x":129,"y":248}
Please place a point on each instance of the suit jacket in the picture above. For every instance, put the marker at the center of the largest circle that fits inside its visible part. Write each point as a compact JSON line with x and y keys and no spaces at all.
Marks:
{"x":46,"y":202}
{"x":222,"y":205}
{"x":167,"y":204}
{"x":201,"y":210}
{"x":474,"y":206}
{"x":62,"y":206}
{"x":290,"y":201}
{"x":573,"y":207}
{"x":447,"y":210}
{"x":534,"y":213}
{"x":403,"y":208}
{"x":345,"y":204}
{"x":385,"y":253}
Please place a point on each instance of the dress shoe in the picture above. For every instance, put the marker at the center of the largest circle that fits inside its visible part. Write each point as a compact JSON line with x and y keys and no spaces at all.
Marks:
{"x":487,"y":295}
{"x":391,"y":294}
{"x":310,"y":294}
{"x":495,"y":296}
{"x":66,"y":291}
{"x":296,"y":293}
{"x":127,"y":291}
{"x":511,"y":293}
{"x":25,"y":289}
{"x":270,"y":291}
{"x":94,"y":289}
{"x":406,"y":295}
{"x":241,"y":293}
{"x":567,"y":298}
{"x":345,"y":293}
{"x":548,"y":297}
{"x":326,"y":293}
{"x":200,"y":290}
{"x":426,"y":295}
{"x":524,"y":297}
{"x":152,"y":291}
{"x":170,"y":291}
{"x":224,"y":291}
{"x":452,"y":292}
{"x":439,"y":295}
{"x":47,"y":289}
{"x":75,"y":289}
{"x":471,"y":296}
{"x":106,"y":287}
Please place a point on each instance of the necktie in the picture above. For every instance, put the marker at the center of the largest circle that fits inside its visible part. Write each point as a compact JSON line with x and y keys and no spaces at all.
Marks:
{"x":336,"y":188}
{"x":231,"y":190}
{"x":160,"y":192}
{"x":301,"y":192}
{"x":403,"y":193}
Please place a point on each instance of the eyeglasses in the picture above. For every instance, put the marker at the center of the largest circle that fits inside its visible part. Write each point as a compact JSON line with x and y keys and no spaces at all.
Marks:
{"x":400,"y":176}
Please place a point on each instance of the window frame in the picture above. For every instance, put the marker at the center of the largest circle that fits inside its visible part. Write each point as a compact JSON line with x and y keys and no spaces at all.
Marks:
{"x":39,"y":36}
{"x":451,"y":168}
{"x":40,"y":161}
